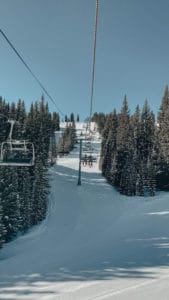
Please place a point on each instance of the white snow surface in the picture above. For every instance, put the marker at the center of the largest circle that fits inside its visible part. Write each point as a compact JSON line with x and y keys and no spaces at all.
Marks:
{"x":94,"y":244}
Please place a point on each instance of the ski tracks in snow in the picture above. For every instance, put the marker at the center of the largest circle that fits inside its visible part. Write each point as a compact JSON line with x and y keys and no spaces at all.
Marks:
{"x":123,"y":290}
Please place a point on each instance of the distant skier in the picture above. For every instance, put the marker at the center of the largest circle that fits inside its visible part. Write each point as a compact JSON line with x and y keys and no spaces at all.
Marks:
{"x":85,"y":160}
{"x":90,"y":161}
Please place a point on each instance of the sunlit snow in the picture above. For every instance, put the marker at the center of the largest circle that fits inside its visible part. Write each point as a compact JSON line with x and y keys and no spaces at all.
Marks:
{"x":94,"y":244}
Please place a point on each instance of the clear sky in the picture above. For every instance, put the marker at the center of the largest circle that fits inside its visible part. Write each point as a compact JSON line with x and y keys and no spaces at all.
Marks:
{"x":55,"y":37}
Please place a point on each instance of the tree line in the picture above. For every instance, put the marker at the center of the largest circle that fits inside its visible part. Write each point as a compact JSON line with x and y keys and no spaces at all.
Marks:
{"x":24,"y":190}
{"x":68,"y":139}
{"x":135,"y":148}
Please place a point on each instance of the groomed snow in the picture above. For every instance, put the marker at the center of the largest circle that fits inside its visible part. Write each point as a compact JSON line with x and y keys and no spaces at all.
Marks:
{"x":94,"y":244}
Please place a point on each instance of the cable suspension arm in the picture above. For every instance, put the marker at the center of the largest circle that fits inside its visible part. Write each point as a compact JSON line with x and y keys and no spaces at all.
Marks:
{"x":30,"y":71}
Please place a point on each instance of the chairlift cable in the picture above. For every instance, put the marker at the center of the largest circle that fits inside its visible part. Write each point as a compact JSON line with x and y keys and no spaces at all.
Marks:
{"x":31,"y":72}
{"x":94,"y":61}
{"x":88,"y":127}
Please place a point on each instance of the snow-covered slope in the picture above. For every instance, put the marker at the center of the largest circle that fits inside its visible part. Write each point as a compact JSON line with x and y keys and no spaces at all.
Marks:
{"x":94,"y":244}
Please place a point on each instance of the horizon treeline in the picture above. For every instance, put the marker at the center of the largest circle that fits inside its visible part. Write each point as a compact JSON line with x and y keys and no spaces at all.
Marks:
{"x":24,"y":190}
{"x":135,"y":148}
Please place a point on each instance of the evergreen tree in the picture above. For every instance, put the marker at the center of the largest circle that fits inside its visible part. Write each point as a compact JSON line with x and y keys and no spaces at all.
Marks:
{"x":72,"y":118}
{"x":10,"y":203}
{"x":40,"y":192}
{"x":122,"y":144}
{"x":55,"y":122}
{"x":68,"y":139}
{"x":136,"y":165}
{"x":25,"y":193}
{"x":100,"y":120}
{"x":106,"y":130}
{"x":146,"y":147}
{"x":12,"y":111}
{"x":2,"y":227}
{"x":78,"y":118}
{"x":163,"y":143}
{"x":108,"y":149}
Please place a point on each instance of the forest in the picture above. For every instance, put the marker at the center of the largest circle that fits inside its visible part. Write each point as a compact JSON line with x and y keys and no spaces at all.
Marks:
{"x":134,"y":157}
{"x":24,"y":190}
{"x":135,"y":148}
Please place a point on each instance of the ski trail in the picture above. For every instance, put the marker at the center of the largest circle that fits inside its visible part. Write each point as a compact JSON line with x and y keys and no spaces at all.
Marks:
{"x":94,"y":244}
{"x":107,"y":295}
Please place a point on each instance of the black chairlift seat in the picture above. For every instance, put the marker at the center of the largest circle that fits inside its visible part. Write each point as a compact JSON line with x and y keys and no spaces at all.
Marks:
{"x":16,"y":162}
{"x":63,"y":152}
{"x":17,"y":154}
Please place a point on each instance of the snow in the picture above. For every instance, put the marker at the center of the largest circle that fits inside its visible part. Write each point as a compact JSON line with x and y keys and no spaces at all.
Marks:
{"x":94,"y":244}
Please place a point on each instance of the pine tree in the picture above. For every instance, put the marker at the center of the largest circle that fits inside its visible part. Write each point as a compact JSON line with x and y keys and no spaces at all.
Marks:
{"x":2,"y":227}
{"x":68,"y":139}
{"x":100,"y":120}
{"x":25,"y":194}
{"x":135,"y":128}
{"x":163,"y":143}
{"x":104,"y":144}
{"x":55,"y":122}
{"x":40,"y":192}
{"x":10,"y":203}
{"x":72,"y":118}
{"x":78,"y":118}
{"x":108,"y":150}
{"x":122,"y":143}
{"x":146,"y":148}
{"x":128,"y":177}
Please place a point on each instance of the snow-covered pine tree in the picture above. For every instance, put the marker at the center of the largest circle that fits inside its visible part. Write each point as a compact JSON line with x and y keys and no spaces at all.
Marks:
{"x":68,"y":139}
{"x":108,"y":151}
{"x":128,"y":177}
{"x":10,"y":202}
{"x":72,"y":117}
{"x":55,"y":122}
{"x":77,"y":118}
{"x":40,"y":192}
{"x":103,"y":159}
{"x":131,"y":161}
{"x":25,"y":193}
{"x":146,"y":148}
{"x":12,"y":111}
{"x":122,"y":144}
{"x":100,"y":120}
{"x":41,"y":130}
{"x":135,"y":157}
{"x":163,"y":143}
{"x":4,"y":126}
{"x":2,"y":227}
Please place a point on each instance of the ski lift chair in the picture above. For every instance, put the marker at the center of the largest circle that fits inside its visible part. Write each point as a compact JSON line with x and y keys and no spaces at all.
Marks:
{"x":17,"y":153}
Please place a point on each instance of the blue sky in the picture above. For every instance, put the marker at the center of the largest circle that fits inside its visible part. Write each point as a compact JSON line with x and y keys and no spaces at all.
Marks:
{"x":55,"y":38}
